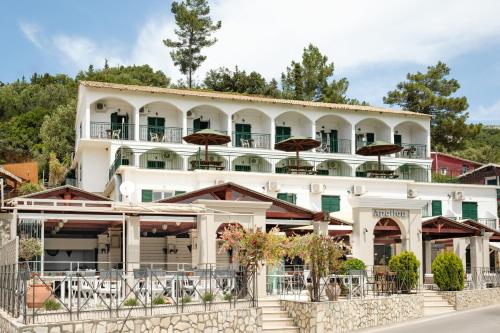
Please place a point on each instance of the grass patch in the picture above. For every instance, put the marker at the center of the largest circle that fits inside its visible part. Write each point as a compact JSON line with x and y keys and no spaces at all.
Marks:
{"x":208,"y":297}
{"x":158,"y":300}
{"x":131,"y":302}
{"x":228,"y":297}
{"x":51,"y":305}
{"x":186,"y":299}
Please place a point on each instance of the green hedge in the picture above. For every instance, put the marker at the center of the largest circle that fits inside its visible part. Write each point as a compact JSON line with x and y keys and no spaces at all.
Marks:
{"x":352,"y":264}
{"x":448,"y":271}
{"x":406,"y":266}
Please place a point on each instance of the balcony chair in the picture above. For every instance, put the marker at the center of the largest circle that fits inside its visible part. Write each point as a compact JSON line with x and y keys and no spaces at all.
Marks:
{"x":245,"y":143}
{"x":116,"y":134}
{"x":154,"y":137}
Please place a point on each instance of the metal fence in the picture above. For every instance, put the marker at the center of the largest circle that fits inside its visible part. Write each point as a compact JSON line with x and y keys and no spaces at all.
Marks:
{"x":43,"y":297}
{"x":481,"y":278}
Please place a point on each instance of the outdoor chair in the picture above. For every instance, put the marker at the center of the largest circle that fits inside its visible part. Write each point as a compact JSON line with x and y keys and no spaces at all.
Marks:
{"x":109,"y":284}
{"x":154,"y":137}
{"x":245,"y":143}
{"x":116,"y":134}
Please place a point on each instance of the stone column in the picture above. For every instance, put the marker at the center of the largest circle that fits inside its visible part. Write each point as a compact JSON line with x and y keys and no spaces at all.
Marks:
{"x":428,"y":256}
{"x":459,"y":246}
{"x":414,"y":237}
{"x":486,"y":249}
{"x":207,"y":248}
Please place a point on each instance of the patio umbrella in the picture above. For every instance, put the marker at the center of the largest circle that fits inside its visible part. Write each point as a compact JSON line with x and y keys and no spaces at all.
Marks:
{"x":379,"y":148}
{"x":297,"y":144}
{"x":207,"y":137}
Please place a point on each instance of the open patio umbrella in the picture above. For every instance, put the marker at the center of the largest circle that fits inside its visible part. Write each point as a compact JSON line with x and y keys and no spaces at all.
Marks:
{"x":379,"y":148}
{"x":207,"y":137}
{"x":297,"y":144}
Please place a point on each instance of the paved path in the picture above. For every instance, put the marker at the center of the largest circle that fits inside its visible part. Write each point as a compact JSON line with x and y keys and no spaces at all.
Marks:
{"x":483,"y":320}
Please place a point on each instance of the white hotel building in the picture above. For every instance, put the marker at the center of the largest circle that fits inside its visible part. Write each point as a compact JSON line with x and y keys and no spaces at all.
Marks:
{"x":134,"y":134}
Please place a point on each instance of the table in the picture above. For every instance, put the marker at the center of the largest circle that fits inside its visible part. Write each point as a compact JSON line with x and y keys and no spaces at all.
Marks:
{"x":305,"y":169}
{"x":207,"y":165}
{"x":381,"y":174}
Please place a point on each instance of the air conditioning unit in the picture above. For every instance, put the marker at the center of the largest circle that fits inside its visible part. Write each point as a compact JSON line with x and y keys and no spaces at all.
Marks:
{"x":254,"y":160}
{"x":458,"y":195}
{"x":332,"y":165}
{"x":189,"y":114}
{"x":358,"y":190}
{"x":100,"y":106}
{"x":220,"y":181}
{"x":143,"y":110}
{"x":273,"y":186}
{"x":317,"y":188}
{"x":167,"y":156}
{"x":412,"y":193}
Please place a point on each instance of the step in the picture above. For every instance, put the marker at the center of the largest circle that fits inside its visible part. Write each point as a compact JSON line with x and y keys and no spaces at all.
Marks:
{"x":433,"y":311}
{"x":274,"y":314}
{"x":270,"y":308}
{"x":277,"y":322}
{"x":269,"y":302}
{"x":289,"y":329}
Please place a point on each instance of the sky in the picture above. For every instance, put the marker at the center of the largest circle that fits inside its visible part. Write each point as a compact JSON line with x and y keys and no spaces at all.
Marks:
{"x":372,"y":43}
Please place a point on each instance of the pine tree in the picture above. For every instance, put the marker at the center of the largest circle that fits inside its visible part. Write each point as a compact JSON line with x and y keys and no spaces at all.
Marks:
{"x":194,"y":30}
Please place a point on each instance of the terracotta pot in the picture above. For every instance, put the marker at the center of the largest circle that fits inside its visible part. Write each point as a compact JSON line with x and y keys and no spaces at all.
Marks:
{"x":332,"y":291}
{"x":37,"y":294}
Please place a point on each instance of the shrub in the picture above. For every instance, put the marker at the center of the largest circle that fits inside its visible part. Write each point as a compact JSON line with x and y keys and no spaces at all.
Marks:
{"x":131,"y":302}
{"x":228,"y":297}
{"x":448,"y":272}
{"x":352,"y":264}
{"x":29,"y":248}
{"x":186,"y":299}
{"x":208,"y":297}
{"x":405,"y":265}
{"x":28,"y":188}
{"x":158,"y":300}
{"x":51,"y":305}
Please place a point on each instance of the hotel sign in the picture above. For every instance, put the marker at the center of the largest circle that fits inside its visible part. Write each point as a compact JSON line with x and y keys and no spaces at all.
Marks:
{"x":380,"y":213}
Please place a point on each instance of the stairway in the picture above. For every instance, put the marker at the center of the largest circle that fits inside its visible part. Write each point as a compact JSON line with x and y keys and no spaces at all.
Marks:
{"x":434,"y":304}
{"x":274,"y":318}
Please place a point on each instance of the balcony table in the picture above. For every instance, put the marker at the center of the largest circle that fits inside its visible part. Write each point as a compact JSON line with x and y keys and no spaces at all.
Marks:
{"x":303,"y":169}
{"x":381,"y":174}
{"x":207,"y":165}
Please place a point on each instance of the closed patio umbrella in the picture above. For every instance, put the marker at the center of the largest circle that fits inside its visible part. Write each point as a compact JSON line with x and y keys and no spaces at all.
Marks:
{"x":207,"y":137}
{"x":379,"y":148}
{"x":297,"y":144}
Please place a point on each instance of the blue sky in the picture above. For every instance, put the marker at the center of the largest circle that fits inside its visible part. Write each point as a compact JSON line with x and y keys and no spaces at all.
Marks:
{"x":373,"y":43}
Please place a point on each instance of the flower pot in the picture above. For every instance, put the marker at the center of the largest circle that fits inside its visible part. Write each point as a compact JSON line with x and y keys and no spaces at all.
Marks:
{"x":37,"y":294}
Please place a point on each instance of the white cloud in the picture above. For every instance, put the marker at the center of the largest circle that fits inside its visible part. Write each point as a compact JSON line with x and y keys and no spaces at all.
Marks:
{"x":486,"y":114}
{"x":31,"y":32}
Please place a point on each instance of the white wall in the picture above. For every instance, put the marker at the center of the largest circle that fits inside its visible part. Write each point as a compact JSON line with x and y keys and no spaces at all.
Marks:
{"x":95,"y":163}
{"x":300,"y":124}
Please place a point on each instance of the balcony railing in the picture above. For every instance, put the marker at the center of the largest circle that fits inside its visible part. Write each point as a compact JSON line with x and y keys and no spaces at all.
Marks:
{"x":412,"y":150}
{"x":489,"y":222}
{"x":361,"y":143}
{"x":115,"y":131}
{"x":251,"y":140}
{"x":341,"y":146}
{"x":160,"y":134}
{"x":161,"y":160}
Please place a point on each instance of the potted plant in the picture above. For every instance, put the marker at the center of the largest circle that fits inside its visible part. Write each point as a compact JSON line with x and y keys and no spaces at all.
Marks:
{"x":38,"y":292}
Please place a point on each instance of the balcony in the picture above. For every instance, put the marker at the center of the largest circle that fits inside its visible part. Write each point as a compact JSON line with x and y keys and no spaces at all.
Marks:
{"x":251,"y":140}
{"x":489,"y":222}
{"x":160,"y":134}
{"x":114,"y":131}
{"x":412,"y":150}
{"x":340,"y":146}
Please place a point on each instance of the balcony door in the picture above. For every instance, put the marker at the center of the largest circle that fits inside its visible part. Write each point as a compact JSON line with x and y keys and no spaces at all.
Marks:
{"x":330,"y":140}
{"x":398,"y":139}
{"x":156,"y":127}
{"x":283,"y":133}
{"x":242,"y":132}
{"x":199,"y":124}
{"x":120,"y":123}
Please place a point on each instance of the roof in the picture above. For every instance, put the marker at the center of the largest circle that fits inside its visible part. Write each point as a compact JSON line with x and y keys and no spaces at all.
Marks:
{"x":7,"y":174}
{"x":485,"y":166}
{"x":441,"y":227}
{"x":59,"y":192}
{"x":245,"y":98}
{"x":456,"y":157}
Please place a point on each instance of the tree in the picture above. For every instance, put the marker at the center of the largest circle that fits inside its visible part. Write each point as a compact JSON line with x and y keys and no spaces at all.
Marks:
{"x":223,"y":79}
{"x":195,"y":28}
{"x":57,"y":170}
{"x":312,"y":79}
{"x":433,"y":94}
{"x":57,"y":132}
{"x":138,"y":75}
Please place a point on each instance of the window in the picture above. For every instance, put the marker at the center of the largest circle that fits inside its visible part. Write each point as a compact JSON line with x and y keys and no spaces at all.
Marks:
{"x":469,"y":210}
{"x":242,"y":132}
{"x":179,"y":192}
{"x":465,"y":168}
{"x":246,"y":168}
{"x":437,"y":209}
{"x":283,"y":133}
{"x":370,"y":138}
{"x":290,"y":197}
{"x":199,"y":124}
{"x":398,"y":139}
{"x":443,"y":171}
{"x":491,"y":180}
{"x":156,"y":165}
{"x":150,"y":195}
{"x":330,"y":203}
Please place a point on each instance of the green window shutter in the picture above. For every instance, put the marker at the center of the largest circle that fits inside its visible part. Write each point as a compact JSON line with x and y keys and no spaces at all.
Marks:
{"x":179,"y":192}
{"x":289,"y":197}
{"x":334,"y":143}
{"x":437,"y":209}
{"x":283,"y":133}
{"x":147,"y":195}
{"x":246,"y":168}
{"x":398,"y":140}
{"x":283,"y":196}
{"x":370,"y":138}
{"x":469,"y":210}
{"x":330,"y":203}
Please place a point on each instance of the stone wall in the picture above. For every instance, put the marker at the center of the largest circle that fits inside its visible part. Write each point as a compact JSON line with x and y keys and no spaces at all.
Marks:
{"x":468,"y":299}
{"x":7,"y":323}
{"x":345,"y":316}
{"x":231,"y":321}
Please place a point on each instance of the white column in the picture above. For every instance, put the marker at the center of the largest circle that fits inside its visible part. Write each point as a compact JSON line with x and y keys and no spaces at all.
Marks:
{"x":428,"y":256}
{"x":194,"y":246}
{"x":133,"y":241}
{"x":476,"y":258}
{"x":86,"y":122}
{"x":414,"y":237}
{"x":135,"y":112}
{"x":459,"y":247}
{"x":273,"y":134}
{"x":230,"y":129}
{"x":321,"y":228}
{"x":259,"y":221}
{"x":207,"y":248}
{"x":353,"y":139}
{"x":313,"y":130}
{"x":486,"y":249}
{"x":184,"y":124}
{"x":362,"y":236}
{"x":137,"y":159}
